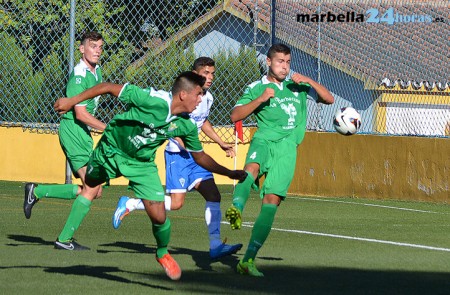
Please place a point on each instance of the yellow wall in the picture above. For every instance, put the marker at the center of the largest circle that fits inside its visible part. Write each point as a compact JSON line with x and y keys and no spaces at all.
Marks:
{"x":370,"y":166}
{"x":26,"y":156}
{"x":328,"y":164}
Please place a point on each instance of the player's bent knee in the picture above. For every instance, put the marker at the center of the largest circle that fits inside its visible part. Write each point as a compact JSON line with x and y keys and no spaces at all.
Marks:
{"x":253,"y":169}
{"x":158,"y":219}
{"x":177,"y":201}
{"x":176,"y":205}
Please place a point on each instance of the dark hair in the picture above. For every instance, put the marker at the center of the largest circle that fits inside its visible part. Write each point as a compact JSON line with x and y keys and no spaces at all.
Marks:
{"x":92,"y":35}
{"x":203,"y":61}
{"x":276,"y":48}
{"x":187,"y":81}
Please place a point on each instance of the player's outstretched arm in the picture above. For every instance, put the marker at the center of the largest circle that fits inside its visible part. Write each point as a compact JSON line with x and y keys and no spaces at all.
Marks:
{"x":209,"y":164}
{"x":208,"y":129}
{"x":62,"y":105}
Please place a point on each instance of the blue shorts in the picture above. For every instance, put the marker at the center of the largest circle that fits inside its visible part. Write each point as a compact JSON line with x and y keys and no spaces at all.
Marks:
{"x":182,"y":172}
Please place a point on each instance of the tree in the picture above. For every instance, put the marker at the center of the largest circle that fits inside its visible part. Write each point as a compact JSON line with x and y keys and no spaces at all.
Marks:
{"x":18,"y":103}
{"x":234,"y":71}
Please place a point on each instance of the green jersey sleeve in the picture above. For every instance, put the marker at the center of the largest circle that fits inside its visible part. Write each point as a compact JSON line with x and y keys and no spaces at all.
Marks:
{"x":249,"y":94}
{"x":76,"y":85}
{"x":191,"y":141}
{"x":134,"y":95}
{"x":79,"y":81}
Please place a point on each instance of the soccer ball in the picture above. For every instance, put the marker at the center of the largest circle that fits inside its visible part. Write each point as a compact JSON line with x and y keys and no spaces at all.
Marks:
{"x":347,"y":121}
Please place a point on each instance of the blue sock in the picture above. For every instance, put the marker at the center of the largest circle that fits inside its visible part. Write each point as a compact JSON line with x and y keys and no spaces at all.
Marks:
{"x":213,"y":216}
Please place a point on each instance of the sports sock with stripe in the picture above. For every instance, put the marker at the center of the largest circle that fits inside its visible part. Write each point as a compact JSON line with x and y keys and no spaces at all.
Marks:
{"x":242,"y":192}
{"x":161,"y":232}
{"x":59,"y":191}
{"x":261,"y":230}
{"x":80,"y":209}
{"x":213,"y":215}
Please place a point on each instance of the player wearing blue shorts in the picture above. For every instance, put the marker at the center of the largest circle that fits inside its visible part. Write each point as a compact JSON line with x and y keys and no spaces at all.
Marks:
{"x":128,"y":148}
{"x":279,"y":105}
{"x":184,"y":174}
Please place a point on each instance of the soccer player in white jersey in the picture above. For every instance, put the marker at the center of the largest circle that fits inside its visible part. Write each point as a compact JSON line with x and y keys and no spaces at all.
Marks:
{"x":184,"y":174}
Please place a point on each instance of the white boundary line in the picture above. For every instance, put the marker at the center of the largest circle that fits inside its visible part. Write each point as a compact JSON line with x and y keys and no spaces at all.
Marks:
{"x":367,"y":204}
{"x":362,"y":204}
{"x":250,"y":225}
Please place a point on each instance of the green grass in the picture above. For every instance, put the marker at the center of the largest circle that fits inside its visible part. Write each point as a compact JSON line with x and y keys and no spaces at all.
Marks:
{"x":317,"y":246}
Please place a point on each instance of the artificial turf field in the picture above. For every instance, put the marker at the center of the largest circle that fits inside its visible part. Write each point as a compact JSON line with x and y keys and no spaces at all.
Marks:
{"x":317,"y":246}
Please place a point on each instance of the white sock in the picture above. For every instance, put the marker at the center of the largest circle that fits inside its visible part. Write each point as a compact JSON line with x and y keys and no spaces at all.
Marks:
{"x":137,"y":204}
{"x":133,"y":204}
{"x":167,"y":202}
{"x":213,"y":216}
{"x":140,"y":205}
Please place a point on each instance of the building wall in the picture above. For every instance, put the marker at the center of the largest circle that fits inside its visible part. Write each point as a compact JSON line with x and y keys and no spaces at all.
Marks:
{"x":371,"y":166}
{"x":424,"y":112}
{"x":328,"y":164}
{"x":26,"y":156}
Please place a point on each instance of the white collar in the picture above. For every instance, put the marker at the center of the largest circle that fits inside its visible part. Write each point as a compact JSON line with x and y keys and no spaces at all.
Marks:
{"x":264,"y":80}
{"x":85,"y":66}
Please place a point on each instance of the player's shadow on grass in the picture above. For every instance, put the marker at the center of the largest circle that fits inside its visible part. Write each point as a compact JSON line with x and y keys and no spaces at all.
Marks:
{"x":27,"y":240}
{"x":101,"y":272}
{"x":126,"y":247}
{"x":201,"y":258}
{"x":320,"y":280}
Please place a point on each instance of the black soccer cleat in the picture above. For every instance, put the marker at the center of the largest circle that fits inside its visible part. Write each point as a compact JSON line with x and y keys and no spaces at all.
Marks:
{"x":70,"y":245}
{"x":30,"y":199}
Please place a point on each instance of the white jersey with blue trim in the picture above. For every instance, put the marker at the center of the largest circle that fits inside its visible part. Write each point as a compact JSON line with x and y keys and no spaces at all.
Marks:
{"x":199,"y":116}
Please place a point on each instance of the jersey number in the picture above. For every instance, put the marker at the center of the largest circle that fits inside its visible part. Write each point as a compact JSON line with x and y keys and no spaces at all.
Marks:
{"x":253,"y":156}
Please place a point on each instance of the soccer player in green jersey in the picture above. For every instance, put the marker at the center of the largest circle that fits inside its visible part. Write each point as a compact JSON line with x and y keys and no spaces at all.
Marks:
{"x":74,"y":131}
{"x":128,"y":147}
{"x":279,"y":105}
{"x":183,"y":174}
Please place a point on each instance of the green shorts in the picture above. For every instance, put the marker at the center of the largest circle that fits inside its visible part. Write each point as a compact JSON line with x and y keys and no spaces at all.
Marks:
{"x":277,"y":161}
{"x":143,"y":176}
{"x":76,"y":143}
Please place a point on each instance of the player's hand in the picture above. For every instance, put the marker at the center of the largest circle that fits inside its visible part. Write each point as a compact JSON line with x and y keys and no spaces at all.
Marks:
{"x":229,"y":150}
{"x":267,"y":94}
{"x":238,"y":175}
{"x":299,"y":78}
{"x":99,"y":193}
{"x":62,"y":105}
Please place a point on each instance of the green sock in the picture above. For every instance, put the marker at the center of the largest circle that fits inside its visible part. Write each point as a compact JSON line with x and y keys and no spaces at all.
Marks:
{"x":261,"y":230}
{"x":59,"y":191}
{"x":79,"y":210}
{"x":242,"y":192}
{"x":161,"y":232}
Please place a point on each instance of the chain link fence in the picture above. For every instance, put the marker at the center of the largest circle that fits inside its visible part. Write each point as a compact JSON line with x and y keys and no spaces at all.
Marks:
{"x":389,"y":59}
